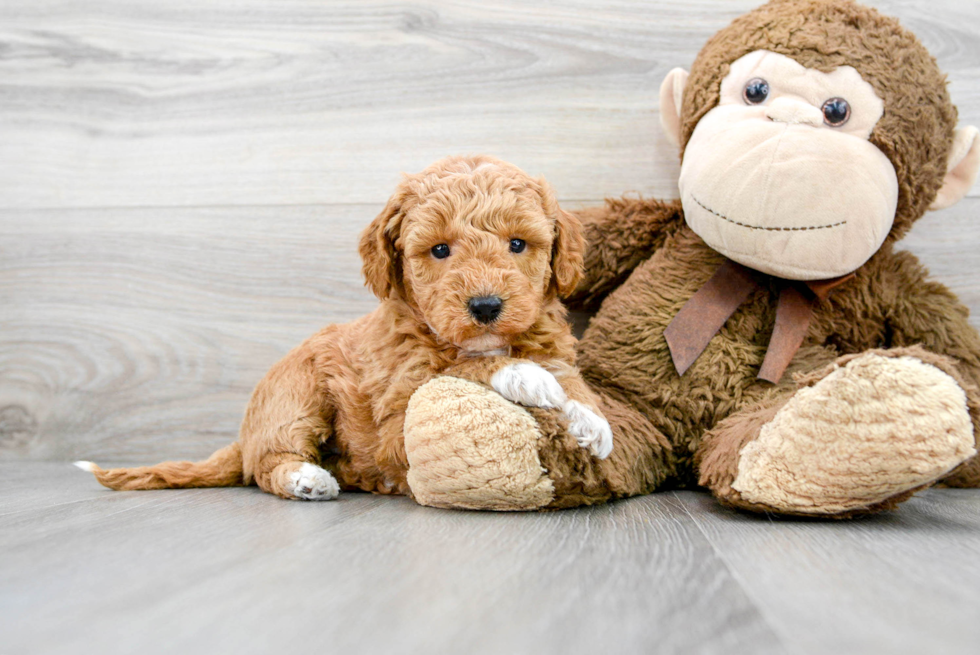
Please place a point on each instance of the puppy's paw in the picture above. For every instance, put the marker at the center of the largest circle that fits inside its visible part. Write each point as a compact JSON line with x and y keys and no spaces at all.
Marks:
{"x":589,"y":429}
{"x":528,"y":384}
{"x":310,"y":482}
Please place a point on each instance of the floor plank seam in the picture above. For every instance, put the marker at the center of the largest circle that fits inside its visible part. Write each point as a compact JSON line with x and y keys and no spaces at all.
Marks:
{"x":785,"y":640}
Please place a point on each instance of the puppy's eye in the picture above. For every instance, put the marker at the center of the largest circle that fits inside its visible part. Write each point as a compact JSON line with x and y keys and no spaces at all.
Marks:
{"x":440,"y":251}
{"x":756,"y":91}
{"x":836,"y":111}
{"x":517,"y":245}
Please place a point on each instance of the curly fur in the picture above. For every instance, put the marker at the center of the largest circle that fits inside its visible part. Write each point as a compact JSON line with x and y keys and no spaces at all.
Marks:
{"x":339,"y":399}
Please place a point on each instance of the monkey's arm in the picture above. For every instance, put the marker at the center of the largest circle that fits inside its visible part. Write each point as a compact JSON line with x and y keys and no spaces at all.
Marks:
{"x":925,"y":312}
{"x":929,"y":314}
{"x":619,"y":236}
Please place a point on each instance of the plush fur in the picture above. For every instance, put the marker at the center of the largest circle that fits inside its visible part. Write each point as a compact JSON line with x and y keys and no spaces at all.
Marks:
{"x":339,"y":399}
{"x":917,"y":129}
{"x":889,"y":336}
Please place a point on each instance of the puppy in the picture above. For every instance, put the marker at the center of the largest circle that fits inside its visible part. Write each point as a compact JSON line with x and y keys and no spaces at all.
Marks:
{"x":468,"y":259}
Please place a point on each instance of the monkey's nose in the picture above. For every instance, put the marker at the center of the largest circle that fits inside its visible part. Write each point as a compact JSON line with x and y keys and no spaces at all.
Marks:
{"x":798,"y":112}
{"x":485,"y":308}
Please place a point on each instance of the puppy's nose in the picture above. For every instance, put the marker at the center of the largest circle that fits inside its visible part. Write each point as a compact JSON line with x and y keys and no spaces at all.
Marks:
{"x":485,"y":309}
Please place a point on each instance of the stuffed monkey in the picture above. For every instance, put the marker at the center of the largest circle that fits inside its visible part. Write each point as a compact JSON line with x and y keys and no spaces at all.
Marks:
{"x":761,"y":337}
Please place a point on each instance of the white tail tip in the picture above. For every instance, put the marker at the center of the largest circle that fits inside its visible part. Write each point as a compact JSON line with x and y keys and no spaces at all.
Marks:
{"x":85,"y":466}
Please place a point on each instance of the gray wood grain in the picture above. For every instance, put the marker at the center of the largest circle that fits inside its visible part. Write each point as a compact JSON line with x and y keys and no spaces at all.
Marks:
{"x":892,"y":583}
{"x":141,"y":103}
{"x":129,"y":328}
{"x":236,"y":570}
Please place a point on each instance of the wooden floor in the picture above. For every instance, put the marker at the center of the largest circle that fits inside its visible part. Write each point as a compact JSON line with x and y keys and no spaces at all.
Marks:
{"x":235,"y":570}
{"x":181,"y":189}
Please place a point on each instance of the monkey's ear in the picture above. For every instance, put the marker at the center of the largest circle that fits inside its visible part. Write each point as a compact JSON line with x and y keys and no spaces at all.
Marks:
{"x":381,"y":266}
{"x":671,"y":99}
{"x":962,"y":169}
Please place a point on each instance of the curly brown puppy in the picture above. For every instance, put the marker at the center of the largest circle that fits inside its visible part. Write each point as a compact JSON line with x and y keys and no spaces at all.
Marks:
{"x":468,"y":258}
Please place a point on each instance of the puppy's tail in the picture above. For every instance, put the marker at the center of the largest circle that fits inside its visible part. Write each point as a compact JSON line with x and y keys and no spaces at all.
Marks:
{"x":222,"y":469}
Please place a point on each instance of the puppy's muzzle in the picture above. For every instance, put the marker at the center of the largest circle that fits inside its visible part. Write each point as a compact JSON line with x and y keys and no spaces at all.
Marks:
{"x":485,"y":309}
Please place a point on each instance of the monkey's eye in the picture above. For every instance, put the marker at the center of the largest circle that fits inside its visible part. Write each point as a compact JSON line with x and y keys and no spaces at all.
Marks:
{"x":756,"y":91}
{"x":440,"y":251}
{"x":517,"y":245}
{"x":836,"y":111}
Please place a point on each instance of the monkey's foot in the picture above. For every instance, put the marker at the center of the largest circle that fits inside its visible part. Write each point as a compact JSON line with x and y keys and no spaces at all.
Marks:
{"x":867,"y":435}
{"x":470,"y":448}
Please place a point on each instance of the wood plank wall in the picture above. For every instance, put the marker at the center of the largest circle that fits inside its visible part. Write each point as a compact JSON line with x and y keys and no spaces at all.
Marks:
{"x":182,"y":183}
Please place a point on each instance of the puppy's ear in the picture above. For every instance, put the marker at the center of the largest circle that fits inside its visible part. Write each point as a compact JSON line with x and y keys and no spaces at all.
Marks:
{"x":568,"y":253}
{"x":379,"y":254}
{"x":568,"y":248}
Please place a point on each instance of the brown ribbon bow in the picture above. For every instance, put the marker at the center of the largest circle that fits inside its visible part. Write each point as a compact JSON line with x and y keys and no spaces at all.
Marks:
{"x":706,"y":312}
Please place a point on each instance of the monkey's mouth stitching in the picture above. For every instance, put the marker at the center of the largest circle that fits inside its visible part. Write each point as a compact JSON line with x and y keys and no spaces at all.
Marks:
{"x":768,"y":229}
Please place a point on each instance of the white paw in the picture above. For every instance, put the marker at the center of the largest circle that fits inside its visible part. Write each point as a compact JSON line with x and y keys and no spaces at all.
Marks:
{"x":311,"y":482}
{"x":528,"y":384}
{"x":589,"y":429}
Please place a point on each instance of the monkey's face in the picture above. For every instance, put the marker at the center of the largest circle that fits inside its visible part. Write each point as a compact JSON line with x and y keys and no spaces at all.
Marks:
{"x":781,"y":177}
